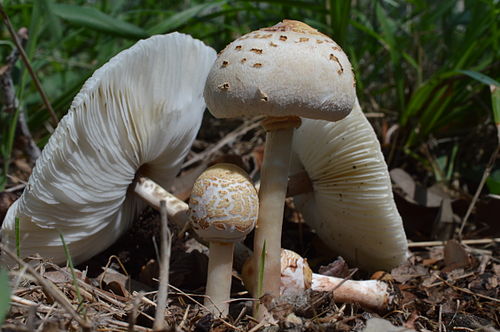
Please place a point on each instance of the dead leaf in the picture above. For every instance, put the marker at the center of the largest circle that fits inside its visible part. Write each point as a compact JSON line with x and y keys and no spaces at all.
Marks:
{"x":337,"y":268}
{"x":455,"y":256}
{"x":114,"y":281}
{"x":382,"y":325}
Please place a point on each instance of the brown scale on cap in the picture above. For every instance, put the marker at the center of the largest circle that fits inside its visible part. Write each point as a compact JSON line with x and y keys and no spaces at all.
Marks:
{"x":295,"y":26}
{"x":223,"y":203}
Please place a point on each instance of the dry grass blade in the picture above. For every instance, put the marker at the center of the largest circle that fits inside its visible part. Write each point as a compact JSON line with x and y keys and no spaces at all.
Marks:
{"x":51,"y":289}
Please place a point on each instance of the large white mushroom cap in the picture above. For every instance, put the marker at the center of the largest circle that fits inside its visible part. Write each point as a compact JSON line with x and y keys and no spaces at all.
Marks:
{"x":289,"y":69}
{"x":351,"y":206}
{"x":138,"y":112}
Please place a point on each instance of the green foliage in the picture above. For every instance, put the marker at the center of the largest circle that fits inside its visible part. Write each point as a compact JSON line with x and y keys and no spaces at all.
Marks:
{"x":5,"y":292}
{"x":425,"y":64}
{"x":72,"y":269}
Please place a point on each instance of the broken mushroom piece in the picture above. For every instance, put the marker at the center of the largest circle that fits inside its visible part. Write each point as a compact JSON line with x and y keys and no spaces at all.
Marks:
{"x":137,"y":114}
{"x":223,"y":210}
{"x":283,"y":72}
{"x":296,"y":277}
{"x":351,"y":205}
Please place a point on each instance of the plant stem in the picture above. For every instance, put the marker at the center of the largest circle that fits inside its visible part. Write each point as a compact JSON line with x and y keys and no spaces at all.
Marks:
{"x":166,"y":236}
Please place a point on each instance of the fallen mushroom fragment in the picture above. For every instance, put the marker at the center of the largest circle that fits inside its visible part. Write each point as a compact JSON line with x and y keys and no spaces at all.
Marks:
{"x":351,"y":206}
{"x":283,"y":72}
{"x":223,"y":210}
{"x":296,"y":276}
{"x":138,"y":114}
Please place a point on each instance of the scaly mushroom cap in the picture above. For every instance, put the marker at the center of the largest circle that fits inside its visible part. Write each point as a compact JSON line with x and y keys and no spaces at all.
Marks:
{"x":351,"y":207}
{"x":224,"y":204}
{"x":289,"y":69}
{"x":138,"y":112}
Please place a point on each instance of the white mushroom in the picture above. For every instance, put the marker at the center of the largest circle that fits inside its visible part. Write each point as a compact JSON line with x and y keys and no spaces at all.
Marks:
{"x":283,"y":72}
{"x":351,"y":206}
{"x":138,"y":114}
{"x":223,"y":210}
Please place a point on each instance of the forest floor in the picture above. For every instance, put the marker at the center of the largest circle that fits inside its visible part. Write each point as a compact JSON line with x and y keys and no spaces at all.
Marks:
{"x":443,"y":286}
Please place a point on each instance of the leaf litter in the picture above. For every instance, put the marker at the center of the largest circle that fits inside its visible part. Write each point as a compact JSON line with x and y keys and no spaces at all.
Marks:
{"x":443,"y":287}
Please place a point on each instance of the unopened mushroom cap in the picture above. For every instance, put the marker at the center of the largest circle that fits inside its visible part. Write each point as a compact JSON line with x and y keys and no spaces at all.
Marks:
{"x":289,"y":69}
{"x":224,"y":204}
{"x":351,"y":206}
{"x":140,"y":112}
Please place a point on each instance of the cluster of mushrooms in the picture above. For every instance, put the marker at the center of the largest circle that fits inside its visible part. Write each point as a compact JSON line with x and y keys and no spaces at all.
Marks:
{"x":133,"y":123}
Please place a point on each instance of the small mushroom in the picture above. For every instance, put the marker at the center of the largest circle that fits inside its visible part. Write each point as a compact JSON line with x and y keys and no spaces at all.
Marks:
{"x":223,"y":210}
{"x":286,"y":74}
{"x":297,"y":276}
{"x":137,"y":115}
{"x":351,"y":205}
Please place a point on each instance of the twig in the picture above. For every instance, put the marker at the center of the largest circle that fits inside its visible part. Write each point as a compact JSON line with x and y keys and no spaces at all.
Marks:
{"x":468,"y":291}
{"x":442,"y":243}
{"x":166,"y":241}
{"x":51,"y":289}
{"x":486,"y":173}
{"x":134,"y":312}
{"x":184,"y":318}
{"x":241,"y":130}
{"x":27,"y":63}
{"x":16,"y":300}
{"x":125,"y":325}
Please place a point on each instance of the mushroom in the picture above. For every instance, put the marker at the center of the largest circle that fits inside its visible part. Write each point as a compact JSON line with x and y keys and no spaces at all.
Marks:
{"x":283,"y":72}
{"x":223,"y":210}
{"x":351,"y":205}
{"x":137,"y":115}
{"x":297,"y":276}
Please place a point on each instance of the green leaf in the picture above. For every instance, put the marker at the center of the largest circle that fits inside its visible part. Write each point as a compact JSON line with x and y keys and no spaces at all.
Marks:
{"x":493,"y":182}
{"x":262,"y":264}
{"x":181,"y":18}
{"x":18,"y":237}
{"x":495,"y":103}
{"x":5,"y":292}
{"x":94,"y":19}
{"x":480,"y":77}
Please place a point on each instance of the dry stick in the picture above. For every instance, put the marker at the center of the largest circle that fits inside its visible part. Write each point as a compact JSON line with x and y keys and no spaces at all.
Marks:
{"x":134,"y":312}
{"x":241,"y":130}
{"x":27,"y":63}
{"x":166,"y":239}
{"x":486,"y":173}
{"x":50,"y":288}
{"x":442,"y":243}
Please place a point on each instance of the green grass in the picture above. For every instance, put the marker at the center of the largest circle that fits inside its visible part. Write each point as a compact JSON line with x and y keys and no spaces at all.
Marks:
{"x":72,"y":269}
{"x":5,"y":292}
{"x":425,"y":64}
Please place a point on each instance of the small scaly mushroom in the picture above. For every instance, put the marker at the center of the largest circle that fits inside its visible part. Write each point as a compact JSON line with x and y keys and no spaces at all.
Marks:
{"x":223,"y":210}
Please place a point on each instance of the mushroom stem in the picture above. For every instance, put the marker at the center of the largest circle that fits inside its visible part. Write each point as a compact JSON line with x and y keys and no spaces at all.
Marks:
{"x":153,"y":194}
{"x":373,"y":294}
{"x":220,"y":269}
{"x":272,"y":193}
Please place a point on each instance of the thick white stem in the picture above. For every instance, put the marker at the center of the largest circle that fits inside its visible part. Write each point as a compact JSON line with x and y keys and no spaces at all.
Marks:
{"x":220,"y":269}
{"x":153,"y":193}
{"x":272,"y":193}
{"x":372,"y":294}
